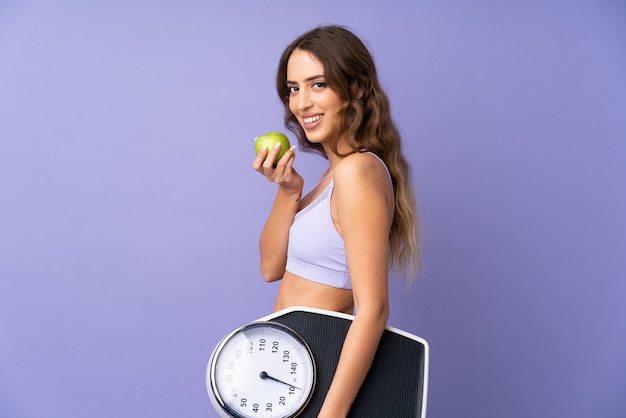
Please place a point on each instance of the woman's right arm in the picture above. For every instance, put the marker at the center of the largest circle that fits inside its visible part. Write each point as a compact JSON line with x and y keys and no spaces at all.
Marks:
{"x":275,"y":234}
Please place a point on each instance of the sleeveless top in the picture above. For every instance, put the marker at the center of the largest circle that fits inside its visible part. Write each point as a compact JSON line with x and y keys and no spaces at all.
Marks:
{"x":315,"y":250}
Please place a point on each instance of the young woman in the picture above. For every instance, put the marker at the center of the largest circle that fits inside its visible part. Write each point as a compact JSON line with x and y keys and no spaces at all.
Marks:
{"x":333,"y":248}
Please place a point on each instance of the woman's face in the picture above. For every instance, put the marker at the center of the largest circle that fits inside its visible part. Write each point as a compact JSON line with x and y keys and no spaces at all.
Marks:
{"x":312,"y":102}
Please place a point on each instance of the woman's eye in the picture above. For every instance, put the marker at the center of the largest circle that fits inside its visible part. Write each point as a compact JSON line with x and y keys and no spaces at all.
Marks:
{"x":319,"y":85}
{"x":292,"y":89}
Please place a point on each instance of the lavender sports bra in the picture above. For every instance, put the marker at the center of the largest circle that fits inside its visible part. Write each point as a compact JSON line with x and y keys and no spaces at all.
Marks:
{"x":315,"y":250}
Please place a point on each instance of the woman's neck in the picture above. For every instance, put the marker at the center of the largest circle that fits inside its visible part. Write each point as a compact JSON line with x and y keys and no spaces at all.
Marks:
{"x":343,"y":150}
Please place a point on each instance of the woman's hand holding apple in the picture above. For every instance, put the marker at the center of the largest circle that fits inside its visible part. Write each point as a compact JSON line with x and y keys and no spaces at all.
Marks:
{"x":281,"y":172}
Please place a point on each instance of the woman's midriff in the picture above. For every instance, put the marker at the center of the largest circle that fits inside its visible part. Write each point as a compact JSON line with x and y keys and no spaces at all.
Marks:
{"x":296,"y":291}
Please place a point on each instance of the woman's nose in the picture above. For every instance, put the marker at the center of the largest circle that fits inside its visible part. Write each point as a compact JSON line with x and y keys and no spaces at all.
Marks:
{"x":304,"y":100}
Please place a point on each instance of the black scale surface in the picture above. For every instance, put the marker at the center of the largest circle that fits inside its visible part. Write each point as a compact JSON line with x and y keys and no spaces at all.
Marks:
{"x":395,"y":382}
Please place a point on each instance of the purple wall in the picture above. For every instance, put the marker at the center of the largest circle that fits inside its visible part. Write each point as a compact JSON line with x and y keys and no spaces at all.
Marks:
{"x":129,"y":213}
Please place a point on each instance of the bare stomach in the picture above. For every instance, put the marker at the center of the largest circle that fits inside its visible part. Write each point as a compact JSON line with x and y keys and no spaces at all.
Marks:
{"x":296,"y":291}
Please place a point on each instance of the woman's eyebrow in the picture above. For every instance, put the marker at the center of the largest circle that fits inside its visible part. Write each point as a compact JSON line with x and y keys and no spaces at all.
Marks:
{"x":315,"y":77}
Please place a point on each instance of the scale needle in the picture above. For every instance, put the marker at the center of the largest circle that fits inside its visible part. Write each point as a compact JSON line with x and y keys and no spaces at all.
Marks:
{"x":264,"y":375}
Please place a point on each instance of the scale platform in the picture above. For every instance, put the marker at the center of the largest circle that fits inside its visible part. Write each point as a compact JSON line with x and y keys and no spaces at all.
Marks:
{"x":396,"y":386}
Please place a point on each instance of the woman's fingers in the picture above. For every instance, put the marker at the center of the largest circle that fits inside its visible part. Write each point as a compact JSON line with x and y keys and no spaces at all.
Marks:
{"x":286,"y":161}
{"x":271,"y":156}
{"x":281,"y":172}
{"x":257,"y":164}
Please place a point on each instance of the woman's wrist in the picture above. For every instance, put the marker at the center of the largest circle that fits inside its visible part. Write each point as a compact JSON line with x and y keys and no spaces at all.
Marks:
{"x":294,"y":194}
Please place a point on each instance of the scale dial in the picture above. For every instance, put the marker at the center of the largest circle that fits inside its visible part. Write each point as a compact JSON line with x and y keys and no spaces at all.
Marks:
{"x":261,"y":370}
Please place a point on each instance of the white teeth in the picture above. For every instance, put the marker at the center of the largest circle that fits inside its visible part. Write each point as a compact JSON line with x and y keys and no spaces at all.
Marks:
{"x":312,"y":119}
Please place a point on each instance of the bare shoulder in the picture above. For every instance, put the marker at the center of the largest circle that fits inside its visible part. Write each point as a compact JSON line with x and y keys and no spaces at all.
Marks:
{"x":363,"y":193}
{"x":361,"y":167}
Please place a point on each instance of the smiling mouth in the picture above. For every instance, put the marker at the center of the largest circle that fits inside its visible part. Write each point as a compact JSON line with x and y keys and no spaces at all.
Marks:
{"x":312,"y":119}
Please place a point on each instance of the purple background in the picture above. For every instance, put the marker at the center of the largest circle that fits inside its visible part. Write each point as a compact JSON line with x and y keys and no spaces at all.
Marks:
{"x":129,"y":214}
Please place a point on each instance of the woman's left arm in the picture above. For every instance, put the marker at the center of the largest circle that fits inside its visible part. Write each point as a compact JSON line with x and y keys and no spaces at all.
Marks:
{"x":363,"y":208}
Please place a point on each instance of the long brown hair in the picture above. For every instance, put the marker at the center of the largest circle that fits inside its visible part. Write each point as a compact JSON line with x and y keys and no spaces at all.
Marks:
{"x":366,"y":122}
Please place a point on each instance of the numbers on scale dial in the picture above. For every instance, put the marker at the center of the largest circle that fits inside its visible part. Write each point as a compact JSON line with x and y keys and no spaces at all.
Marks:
{"x":268,"y":372}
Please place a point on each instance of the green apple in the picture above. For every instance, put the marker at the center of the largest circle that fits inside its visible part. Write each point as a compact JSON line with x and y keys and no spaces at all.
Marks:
{"x":269,"y":141}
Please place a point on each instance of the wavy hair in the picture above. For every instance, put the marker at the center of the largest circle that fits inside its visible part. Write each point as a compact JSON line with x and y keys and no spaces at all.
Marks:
{"x":365,"y":120}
